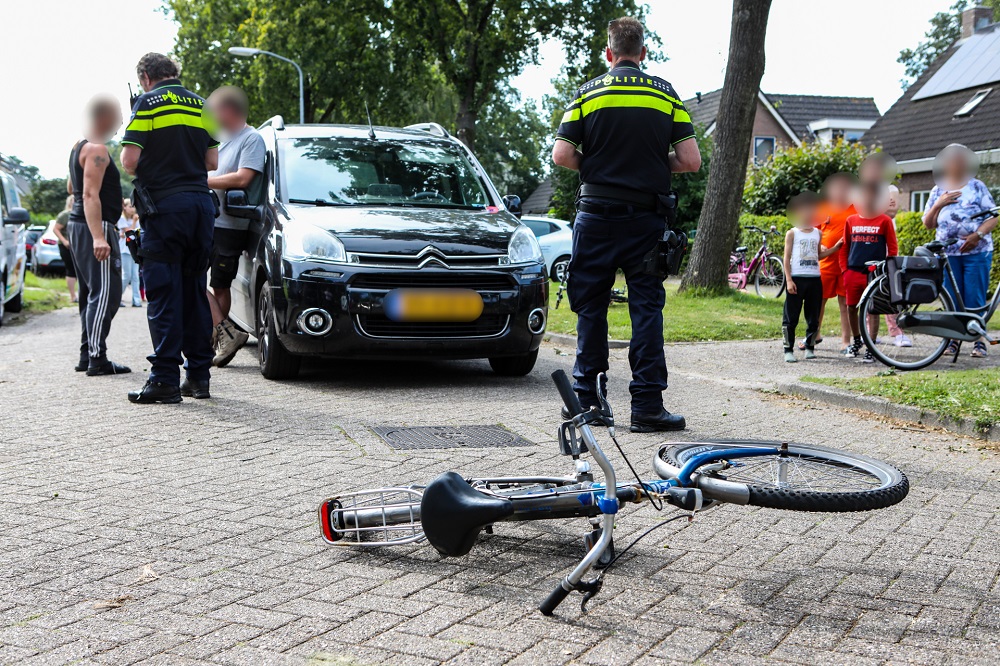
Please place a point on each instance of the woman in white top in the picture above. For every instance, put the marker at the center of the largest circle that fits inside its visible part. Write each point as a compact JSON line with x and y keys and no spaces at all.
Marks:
{"x":130,"y":269}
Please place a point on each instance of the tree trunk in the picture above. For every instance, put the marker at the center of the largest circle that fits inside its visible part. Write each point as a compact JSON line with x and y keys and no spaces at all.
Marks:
{"x":719,"y":222}
{"x":465,"y":122}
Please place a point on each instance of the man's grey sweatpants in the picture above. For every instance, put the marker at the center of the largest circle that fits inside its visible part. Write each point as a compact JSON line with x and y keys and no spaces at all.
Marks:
{"x":99,"y":288}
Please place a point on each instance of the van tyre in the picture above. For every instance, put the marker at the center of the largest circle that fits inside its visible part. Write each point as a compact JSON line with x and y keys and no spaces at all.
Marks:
{"x":514,"y":366}
{"x":15,"y":304}
{"x":275,"y":361}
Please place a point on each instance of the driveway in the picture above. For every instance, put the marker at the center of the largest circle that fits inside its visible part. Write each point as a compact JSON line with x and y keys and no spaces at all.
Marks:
{"x":186,"y":534}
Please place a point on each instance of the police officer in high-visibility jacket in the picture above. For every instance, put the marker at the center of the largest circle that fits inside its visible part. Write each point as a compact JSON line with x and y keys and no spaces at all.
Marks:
{"x":168,"y":147}
{"x":626,"y":132}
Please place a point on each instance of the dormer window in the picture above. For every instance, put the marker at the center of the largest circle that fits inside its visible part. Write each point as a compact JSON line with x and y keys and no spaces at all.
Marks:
{"x":968,"y":107}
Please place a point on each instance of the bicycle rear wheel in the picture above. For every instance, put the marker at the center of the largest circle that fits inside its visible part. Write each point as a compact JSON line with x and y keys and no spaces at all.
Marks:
{"x":769,"y":282}
{"x":914,"y":350}
{"x":807,"y":478}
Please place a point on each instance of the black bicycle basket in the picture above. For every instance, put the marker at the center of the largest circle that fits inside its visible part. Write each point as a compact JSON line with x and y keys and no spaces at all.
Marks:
{"x":914,"y":280}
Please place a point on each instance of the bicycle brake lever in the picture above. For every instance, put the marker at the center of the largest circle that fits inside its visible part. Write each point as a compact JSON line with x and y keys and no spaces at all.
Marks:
{"x":589,"y":588}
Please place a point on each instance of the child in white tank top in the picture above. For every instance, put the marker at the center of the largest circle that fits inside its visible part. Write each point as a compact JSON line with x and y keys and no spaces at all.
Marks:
{"x":803,"y":285}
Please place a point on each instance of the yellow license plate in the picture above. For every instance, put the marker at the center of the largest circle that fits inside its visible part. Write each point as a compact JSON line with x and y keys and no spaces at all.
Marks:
{"x":431,"y":305}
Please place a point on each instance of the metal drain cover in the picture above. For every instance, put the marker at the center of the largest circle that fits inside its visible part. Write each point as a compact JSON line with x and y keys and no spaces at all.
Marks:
{"x":449,"y":437}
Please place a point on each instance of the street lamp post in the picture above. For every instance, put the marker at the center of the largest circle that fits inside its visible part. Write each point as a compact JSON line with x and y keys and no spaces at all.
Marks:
{"x":246,"y":52}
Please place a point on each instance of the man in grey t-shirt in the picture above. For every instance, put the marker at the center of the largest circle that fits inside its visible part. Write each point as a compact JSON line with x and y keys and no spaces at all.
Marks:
{"x":241,"y":160}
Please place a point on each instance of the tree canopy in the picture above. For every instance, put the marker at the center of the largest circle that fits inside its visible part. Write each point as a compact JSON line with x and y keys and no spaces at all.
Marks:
{"x":47,"y":197}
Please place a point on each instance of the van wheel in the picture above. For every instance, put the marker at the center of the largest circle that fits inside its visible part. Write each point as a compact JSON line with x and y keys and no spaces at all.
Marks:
{"x":560,"y":268}
{"x":15,"y":304}
{"x":275,"y":361}
{"x":514,"y":366}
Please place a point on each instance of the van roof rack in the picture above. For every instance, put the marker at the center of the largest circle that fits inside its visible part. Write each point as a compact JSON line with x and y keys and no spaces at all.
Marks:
{"x":277,"y":122}
{"x":433,"y":128}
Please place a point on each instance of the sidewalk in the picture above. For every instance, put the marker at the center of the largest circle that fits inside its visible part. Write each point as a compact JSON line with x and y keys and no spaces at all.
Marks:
{"x":198,"y":522}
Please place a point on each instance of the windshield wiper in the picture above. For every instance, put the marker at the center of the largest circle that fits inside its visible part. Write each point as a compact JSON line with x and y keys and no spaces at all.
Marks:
{"x":317,"y":202}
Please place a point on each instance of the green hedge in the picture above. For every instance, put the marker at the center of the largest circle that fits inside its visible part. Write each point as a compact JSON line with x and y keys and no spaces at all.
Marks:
{"x":910,"y":232}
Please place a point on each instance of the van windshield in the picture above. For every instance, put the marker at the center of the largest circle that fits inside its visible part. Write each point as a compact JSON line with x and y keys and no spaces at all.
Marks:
{"x":365,"y":172}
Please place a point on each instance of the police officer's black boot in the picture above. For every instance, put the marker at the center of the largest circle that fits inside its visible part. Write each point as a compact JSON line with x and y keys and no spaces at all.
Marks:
{"x":663,"y":421}
{"x":195,"y":388}
{"x":156,"y":392}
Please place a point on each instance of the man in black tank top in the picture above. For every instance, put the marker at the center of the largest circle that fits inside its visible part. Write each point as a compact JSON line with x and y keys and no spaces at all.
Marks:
{"x":97,"y":205}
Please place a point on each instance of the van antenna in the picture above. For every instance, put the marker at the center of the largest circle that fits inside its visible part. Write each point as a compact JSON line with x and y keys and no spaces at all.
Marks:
{"x":371,"y":128}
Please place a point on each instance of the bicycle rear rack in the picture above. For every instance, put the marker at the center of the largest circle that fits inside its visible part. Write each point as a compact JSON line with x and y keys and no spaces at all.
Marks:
{"x":369,"y":518}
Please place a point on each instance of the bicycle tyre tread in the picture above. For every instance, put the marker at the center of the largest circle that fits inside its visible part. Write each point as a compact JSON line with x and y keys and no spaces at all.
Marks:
{"x":813,"y":501}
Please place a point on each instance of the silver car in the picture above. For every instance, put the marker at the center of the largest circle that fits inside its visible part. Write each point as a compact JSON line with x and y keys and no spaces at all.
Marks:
{"x":45,"y":257}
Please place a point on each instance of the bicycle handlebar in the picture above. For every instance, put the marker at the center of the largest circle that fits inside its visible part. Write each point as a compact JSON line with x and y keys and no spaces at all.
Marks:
{"x":570,"y":399}
{"x":773,"y":232}
{"x":989,"y":212}
{"x":553,"y":600}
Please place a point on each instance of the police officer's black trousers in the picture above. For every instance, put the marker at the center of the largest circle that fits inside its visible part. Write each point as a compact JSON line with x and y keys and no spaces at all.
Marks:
{"x":100,"y":288}
{"x":601,"y":246}
{"x":176,"y":242}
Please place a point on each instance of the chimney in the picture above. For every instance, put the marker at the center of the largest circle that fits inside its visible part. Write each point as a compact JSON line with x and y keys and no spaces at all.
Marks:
{"x":975,"y":19}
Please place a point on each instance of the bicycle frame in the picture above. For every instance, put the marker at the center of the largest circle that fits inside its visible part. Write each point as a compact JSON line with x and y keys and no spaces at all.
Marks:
{"x":745,"y":270}
{"x":963,"y":324}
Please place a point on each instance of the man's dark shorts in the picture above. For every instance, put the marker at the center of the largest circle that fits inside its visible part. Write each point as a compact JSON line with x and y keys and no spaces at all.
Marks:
{"x":227,"y":246}
{"x":67,"y":259}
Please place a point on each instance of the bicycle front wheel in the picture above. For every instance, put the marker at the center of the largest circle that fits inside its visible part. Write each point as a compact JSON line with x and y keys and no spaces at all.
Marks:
{"x":805,"y":478}
{"x":769,"y":282}
{"x":910,"y":350}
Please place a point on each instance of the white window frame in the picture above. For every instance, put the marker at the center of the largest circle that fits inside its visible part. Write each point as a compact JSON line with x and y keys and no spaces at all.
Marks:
{"x":919,"y":199}
{"x":970,"y":106}
{"x":774,"y":146}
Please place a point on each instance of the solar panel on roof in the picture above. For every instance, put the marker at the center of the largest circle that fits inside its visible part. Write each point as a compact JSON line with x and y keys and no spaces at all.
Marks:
{"x":975,"y":63}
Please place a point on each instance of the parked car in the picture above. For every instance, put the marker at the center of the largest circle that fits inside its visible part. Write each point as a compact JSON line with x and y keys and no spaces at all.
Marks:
{"x":13,"y":260}
{"x":31,"y":237}
{"x":45,"y":257}
{"x":556,"y":240}
{"x":382,"y":243}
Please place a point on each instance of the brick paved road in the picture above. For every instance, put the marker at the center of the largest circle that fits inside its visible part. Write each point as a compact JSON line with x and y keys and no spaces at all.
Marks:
{"x":218,"y":498}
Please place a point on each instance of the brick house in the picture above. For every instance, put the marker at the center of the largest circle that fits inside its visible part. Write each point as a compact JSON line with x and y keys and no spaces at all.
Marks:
{"x":782,"y":121}
{"x":957,"y":100}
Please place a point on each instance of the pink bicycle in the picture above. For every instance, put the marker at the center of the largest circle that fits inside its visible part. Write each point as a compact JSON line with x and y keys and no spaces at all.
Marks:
{"x":765,"y":269}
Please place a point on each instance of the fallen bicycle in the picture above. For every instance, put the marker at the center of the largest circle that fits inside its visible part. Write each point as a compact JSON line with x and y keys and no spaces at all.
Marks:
{"x":451,"y":511}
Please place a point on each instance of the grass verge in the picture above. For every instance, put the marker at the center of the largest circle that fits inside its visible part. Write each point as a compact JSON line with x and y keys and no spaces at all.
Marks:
{"x":44,"y":294}
{"x":967,"y":395}
{"x":699,"y":317}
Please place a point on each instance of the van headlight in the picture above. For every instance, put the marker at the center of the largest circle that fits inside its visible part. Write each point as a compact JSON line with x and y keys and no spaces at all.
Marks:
{"x":304,"y":241}
{"x":523,"y":247}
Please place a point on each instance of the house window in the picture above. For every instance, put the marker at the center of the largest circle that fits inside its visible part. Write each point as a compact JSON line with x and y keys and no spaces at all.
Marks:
{"x":973,"y":103}
{"x":763,"y":149}
{"x":918,"y":200}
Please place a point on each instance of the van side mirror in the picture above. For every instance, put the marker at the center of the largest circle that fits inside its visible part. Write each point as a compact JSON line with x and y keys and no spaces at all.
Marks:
{"x":237,"y":205}
{"x":512,"y":203}
{"x":17,"y":216}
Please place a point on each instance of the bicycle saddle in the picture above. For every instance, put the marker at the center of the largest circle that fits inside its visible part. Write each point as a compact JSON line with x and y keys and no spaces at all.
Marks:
{"x":741,"y":249}
{"x":453,"y":513}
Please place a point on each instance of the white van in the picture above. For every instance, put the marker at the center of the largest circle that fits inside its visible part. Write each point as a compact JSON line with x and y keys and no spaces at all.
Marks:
{"x":13,"y":257}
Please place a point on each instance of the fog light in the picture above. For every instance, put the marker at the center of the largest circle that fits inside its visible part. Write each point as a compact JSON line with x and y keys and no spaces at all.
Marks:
{"x":536,"y":321}
{"x":315,"y":321}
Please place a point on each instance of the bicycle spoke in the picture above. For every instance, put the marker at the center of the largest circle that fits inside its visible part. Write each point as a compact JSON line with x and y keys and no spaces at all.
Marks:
{"x":800,"y":473}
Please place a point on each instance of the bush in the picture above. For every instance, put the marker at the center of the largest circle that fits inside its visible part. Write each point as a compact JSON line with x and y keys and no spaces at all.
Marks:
{"x":770,"y":185}
{"x":911,"y":233}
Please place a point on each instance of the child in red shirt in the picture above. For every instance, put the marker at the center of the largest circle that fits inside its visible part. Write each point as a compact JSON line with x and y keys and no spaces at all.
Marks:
{"x":868,"y":236}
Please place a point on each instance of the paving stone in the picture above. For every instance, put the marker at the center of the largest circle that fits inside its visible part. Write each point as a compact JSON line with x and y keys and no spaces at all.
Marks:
{"x":219,"y":498}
